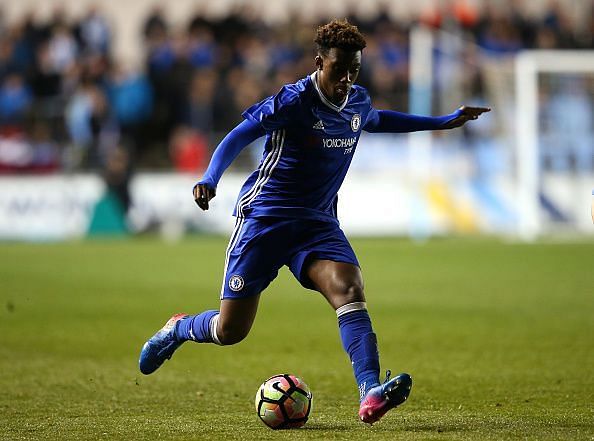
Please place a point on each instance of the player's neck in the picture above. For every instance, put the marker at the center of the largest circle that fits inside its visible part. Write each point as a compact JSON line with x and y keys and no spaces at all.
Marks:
{"x":324,"y":96}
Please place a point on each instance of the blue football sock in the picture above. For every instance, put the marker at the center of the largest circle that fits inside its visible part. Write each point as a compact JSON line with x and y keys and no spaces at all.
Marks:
{"x":196,"y":327}
{"x":360,"y":343}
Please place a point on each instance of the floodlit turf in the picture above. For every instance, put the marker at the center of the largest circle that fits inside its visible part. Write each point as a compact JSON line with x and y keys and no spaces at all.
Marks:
{"x":498,"y":338}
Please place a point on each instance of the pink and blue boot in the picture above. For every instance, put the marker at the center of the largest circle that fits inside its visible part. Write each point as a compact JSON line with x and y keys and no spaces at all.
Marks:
{"x":388,"y":395}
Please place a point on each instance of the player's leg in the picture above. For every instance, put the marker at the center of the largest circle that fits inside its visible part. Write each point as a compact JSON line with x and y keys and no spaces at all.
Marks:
{"x":339,"y":282}
{"x":226,"y":326}
{"x":327,"y":263}
{"x":251,"y":264}
{"x":247,"y":274}
{"x":342,"y":286}
{"x":236,"y":319}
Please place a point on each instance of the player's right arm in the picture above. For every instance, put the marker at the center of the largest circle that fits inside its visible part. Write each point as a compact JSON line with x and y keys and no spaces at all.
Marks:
{"x":236,"y":140}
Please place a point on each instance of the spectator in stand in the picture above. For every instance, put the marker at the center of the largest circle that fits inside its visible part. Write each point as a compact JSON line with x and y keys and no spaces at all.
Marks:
{"x":63,"y":48}
{"x":283,"y":52}
{"x":188,"y":150}
{"x":497,"y":33}
{"x":130,"y":94}
{"x":546,"y":38}
{"x":200,"y":101}
{"x":46,"y":154}
{"x":161,"y":55}
{"x":131,"y":97}
{"x":155,"y":24}
{"x":202,"y":50}
{"x":90,"y":125}
{"x":46,"y":81}
{"x":522,"y":23}
{"x":23,"y":52}
{"x":201,"y":73}
{"x":94,"y":32}
{"x":253,"y":57}
{"x":6,"y":50}
{"x":15,"y":100}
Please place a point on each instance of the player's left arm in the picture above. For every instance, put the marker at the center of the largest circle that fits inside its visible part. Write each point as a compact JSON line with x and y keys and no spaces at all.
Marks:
{"x":390,"y":121}
{"x":465,"y":114}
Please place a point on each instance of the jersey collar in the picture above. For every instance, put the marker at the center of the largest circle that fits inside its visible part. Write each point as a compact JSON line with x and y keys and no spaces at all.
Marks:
{"x":326,"y":101}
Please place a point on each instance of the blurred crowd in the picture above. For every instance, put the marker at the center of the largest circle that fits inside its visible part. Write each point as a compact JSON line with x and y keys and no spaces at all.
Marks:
{"x":66,"y":103}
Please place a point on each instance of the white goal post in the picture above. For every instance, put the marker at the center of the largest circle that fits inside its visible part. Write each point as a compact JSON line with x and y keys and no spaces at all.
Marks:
{"x":529,"y":64}
{"x":527,"y":169}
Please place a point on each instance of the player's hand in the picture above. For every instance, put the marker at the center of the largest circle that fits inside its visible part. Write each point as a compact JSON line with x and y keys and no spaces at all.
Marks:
{"x":466,"y":114}
{"x":203,"y":193}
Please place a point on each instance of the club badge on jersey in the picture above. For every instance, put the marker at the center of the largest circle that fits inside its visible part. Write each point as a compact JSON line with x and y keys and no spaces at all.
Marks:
{"x":356,"y":122}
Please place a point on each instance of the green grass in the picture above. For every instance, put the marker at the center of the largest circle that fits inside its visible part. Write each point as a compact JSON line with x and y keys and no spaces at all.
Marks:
{"x":498,"y":338}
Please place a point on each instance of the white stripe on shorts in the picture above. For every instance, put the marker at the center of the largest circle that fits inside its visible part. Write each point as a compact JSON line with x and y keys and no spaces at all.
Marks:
{"x":268,"y":165}
{"x":277,"y":140}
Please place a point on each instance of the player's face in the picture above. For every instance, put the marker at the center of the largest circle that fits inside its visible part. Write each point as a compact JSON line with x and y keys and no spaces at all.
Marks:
{"x":338,"y":70}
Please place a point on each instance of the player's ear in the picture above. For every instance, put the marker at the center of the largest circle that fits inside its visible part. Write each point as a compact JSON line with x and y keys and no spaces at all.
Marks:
{"x":319,"y":62}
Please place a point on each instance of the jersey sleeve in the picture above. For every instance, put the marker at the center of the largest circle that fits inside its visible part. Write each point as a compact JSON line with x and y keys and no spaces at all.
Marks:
{"x":390,"y":121}
{"x":228,"y":149}
{"x":274,"y":112}
{"x":372,"y":119}
{"x":371,"y":116}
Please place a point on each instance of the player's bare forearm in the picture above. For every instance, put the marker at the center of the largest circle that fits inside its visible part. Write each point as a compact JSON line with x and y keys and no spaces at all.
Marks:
{"x":466,"y":113}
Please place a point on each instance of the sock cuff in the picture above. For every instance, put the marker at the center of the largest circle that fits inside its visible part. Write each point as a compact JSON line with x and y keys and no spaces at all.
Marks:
{"x":351,"y":307}
{"x":212,"y":326}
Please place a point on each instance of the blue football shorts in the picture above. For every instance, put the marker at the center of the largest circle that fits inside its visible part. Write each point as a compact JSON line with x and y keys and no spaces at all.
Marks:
{"x":259,"y":247}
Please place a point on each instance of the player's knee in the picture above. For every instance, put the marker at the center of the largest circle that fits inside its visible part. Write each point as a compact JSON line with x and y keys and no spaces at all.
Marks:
{"x":230,"y":335}
{"x":354,"y":293}
{"x":347,"y":292}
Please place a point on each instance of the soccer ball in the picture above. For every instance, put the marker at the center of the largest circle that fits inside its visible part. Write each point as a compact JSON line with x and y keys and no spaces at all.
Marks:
{"x":283,"y":402}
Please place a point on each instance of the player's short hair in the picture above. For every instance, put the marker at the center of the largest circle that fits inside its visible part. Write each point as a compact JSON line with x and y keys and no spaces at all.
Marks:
{"x":340,"y":34}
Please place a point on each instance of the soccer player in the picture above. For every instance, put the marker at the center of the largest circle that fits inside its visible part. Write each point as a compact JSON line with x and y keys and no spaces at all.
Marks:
{"x":286,"y":212}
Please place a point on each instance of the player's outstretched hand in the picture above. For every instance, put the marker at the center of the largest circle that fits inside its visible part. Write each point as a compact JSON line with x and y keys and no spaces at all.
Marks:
{"x":466,"y":114}
{"x":203,"y":193}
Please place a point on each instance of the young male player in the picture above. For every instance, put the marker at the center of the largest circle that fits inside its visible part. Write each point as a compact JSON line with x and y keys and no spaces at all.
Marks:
{"x":286,"y":212}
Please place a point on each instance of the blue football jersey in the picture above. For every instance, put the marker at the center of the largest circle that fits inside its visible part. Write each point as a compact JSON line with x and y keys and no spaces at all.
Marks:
{"x":309,"y":146}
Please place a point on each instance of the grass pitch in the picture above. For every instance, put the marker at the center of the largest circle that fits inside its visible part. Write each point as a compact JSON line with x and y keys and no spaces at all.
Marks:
{"x":498,"y":338}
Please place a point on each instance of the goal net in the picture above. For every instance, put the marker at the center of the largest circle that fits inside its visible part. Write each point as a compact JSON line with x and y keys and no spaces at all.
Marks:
{"x":527,"y":168}
{"x":554,"y":141}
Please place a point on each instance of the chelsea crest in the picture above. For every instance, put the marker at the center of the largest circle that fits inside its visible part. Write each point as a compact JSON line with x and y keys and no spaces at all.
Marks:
{"x":236,"y":283}
{"x":355,"y":122}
